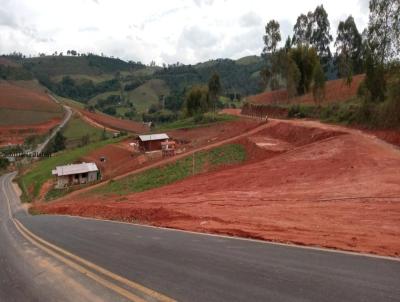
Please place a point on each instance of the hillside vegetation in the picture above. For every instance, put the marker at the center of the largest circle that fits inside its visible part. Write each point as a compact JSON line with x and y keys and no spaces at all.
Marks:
{"x":128,"y":89}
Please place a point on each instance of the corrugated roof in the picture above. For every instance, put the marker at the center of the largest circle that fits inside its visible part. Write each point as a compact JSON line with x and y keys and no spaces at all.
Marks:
{"x":153,"y":137}
{"x":74,"y":169}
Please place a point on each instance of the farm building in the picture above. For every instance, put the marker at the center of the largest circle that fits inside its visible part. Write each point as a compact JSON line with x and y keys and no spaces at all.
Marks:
{"x":75,"y":174}
{"x":152,"y":142}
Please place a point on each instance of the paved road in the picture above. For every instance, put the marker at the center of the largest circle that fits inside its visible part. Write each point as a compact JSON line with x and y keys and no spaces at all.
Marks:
{"x":193,"y":267}
{"x":67,"y":116}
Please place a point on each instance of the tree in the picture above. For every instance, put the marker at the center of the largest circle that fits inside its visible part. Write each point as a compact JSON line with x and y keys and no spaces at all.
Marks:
{"x":272,"y":36}
{"x":271,"y":39}
{"x":375,"y":78}
{"x":197,"y":100}
{"x":58,"y":143}
{"x":214,"y":89}
{"x":305,"y":58}
{"x":384,"y":29}
{"x":292,"y":76}
{"x":320,"y":35}
{"x":4,"y":162}
{"x":319,"y":83}
{"x":288,"y":44}
{"x":302,"y":30}
{"x":348,"y":49}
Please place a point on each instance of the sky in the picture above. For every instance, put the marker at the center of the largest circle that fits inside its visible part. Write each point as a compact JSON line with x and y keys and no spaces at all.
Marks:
{"x":166,"y":31}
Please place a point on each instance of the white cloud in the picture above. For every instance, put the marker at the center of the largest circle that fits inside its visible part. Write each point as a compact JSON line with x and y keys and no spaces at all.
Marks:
{"x":250,"y":19}
{"x":165,"y":31}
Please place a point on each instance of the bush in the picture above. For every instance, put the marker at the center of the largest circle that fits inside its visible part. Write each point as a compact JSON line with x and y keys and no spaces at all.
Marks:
{"x":4,"y":162}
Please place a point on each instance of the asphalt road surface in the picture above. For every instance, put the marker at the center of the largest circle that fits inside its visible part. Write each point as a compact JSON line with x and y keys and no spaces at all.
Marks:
{"x":67,"y":116}
{"x":166,"y":265}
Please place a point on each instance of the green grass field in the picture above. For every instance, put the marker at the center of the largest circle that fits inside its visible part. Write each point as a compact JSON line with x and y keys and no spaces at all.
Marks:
{"x":32,"y":181}
{"x":147,"y":94}
{"x":142,"y":97}
{"x":77,"y":128}
{"x":181,"y":169}
{"x":191,"y":122}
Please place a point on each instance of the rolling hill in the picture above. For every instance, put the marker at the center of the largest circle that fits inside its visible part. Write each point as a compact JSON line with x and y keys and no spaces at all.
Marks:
{"x":25,"y":110}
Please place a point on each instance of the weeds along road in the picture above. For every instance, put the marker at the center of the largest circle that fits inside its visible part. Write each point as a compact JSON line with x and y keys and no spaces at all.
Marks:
{"x":48,"y":258}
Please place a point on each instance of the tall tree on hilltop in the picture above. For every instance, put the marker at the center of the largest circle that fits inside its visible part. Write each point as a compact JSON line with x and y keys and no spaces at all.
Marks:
{"x":272,"y":36}
{"x":384,"y":29}
{"x":314,"y":29}
{"x":302,"y":30}
{"x":320,"y":36}
{"x":271,"y":39}
{"x":305,"y":58}
{"x":214,"y":88}
{"x":348,"y":49}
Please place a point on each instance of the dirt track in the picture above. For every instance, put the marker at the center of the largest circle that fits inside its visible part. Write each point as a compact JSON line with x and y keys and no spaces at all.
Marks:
{"x":314,"y":184}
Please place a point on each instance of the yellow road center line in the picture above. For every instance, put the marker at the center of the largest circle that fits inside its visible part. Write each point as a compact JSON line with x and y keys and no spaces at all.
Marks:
{"x":80,"y":269}
{"x":47,"y":246}
{"x":101,"y":270}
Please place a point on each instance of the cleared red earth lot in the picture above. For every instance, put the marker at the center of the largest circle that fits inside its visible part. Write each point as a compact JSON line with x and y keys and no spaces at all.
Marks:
{"x":309,"y":183}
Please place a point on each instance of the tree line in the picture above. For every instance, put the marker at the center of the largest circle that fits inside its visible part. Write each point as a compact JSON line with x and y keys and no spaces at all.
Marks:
{"x":302,"y":63}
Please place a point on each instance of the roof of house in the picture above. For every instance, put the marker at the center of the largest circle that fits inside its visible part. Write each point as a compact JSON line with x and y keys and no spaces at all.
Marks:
{"x":75,"y":169}
{"x":153,"y":137}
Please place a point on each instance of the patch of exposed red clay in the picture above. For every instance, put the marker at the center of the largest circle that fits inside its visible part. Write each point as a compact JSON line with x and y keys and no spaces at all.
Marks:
{"x":120,"y":159}
{"x":47,"y":186}
{"x":335,"y":91}
{"x":21,"y":98}
{"x":14,"y":135}
{"x":195,"y":137}
{"x":325,"y":186}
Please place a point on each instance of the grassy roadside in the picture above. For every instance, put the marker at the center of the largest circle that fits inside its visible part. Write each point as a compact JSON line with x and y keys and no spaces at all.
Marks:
{"x":31,"y":181}
{"x":194,"y":122}
{"x":156,"y":177}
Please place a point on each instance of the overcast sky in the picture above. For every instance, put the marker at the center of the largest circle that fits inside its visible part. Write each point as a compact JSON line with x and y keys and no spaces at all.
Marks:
{"x":167,"y":31}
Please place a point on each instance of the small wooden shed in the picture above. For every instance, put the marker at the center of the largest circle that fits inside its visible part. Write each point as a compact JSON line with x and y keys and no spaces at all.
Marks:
{"x":152,"y":142}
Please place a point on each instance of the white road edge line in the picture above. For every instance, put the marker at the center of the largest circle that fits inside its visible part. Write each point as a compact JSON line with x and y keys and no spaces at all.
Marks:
{"x":315,"y":248}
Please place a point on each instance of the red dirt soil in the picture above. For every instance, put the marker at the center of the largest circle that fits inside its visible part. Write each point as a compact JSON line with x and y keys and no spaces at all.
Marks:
{"x":15,"y":135}
{"x":115,"y":123}
{"x":121,"y":159}
{"x":20,"y":98}
{"x":320,"y":185}
{"x":335,"y":91}
{"x":195,"y":137}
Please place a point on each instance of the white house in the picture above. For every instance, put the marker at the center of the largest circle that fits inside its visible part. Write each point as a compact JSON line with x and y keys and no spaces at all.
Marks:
{"x":75,"y":174}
